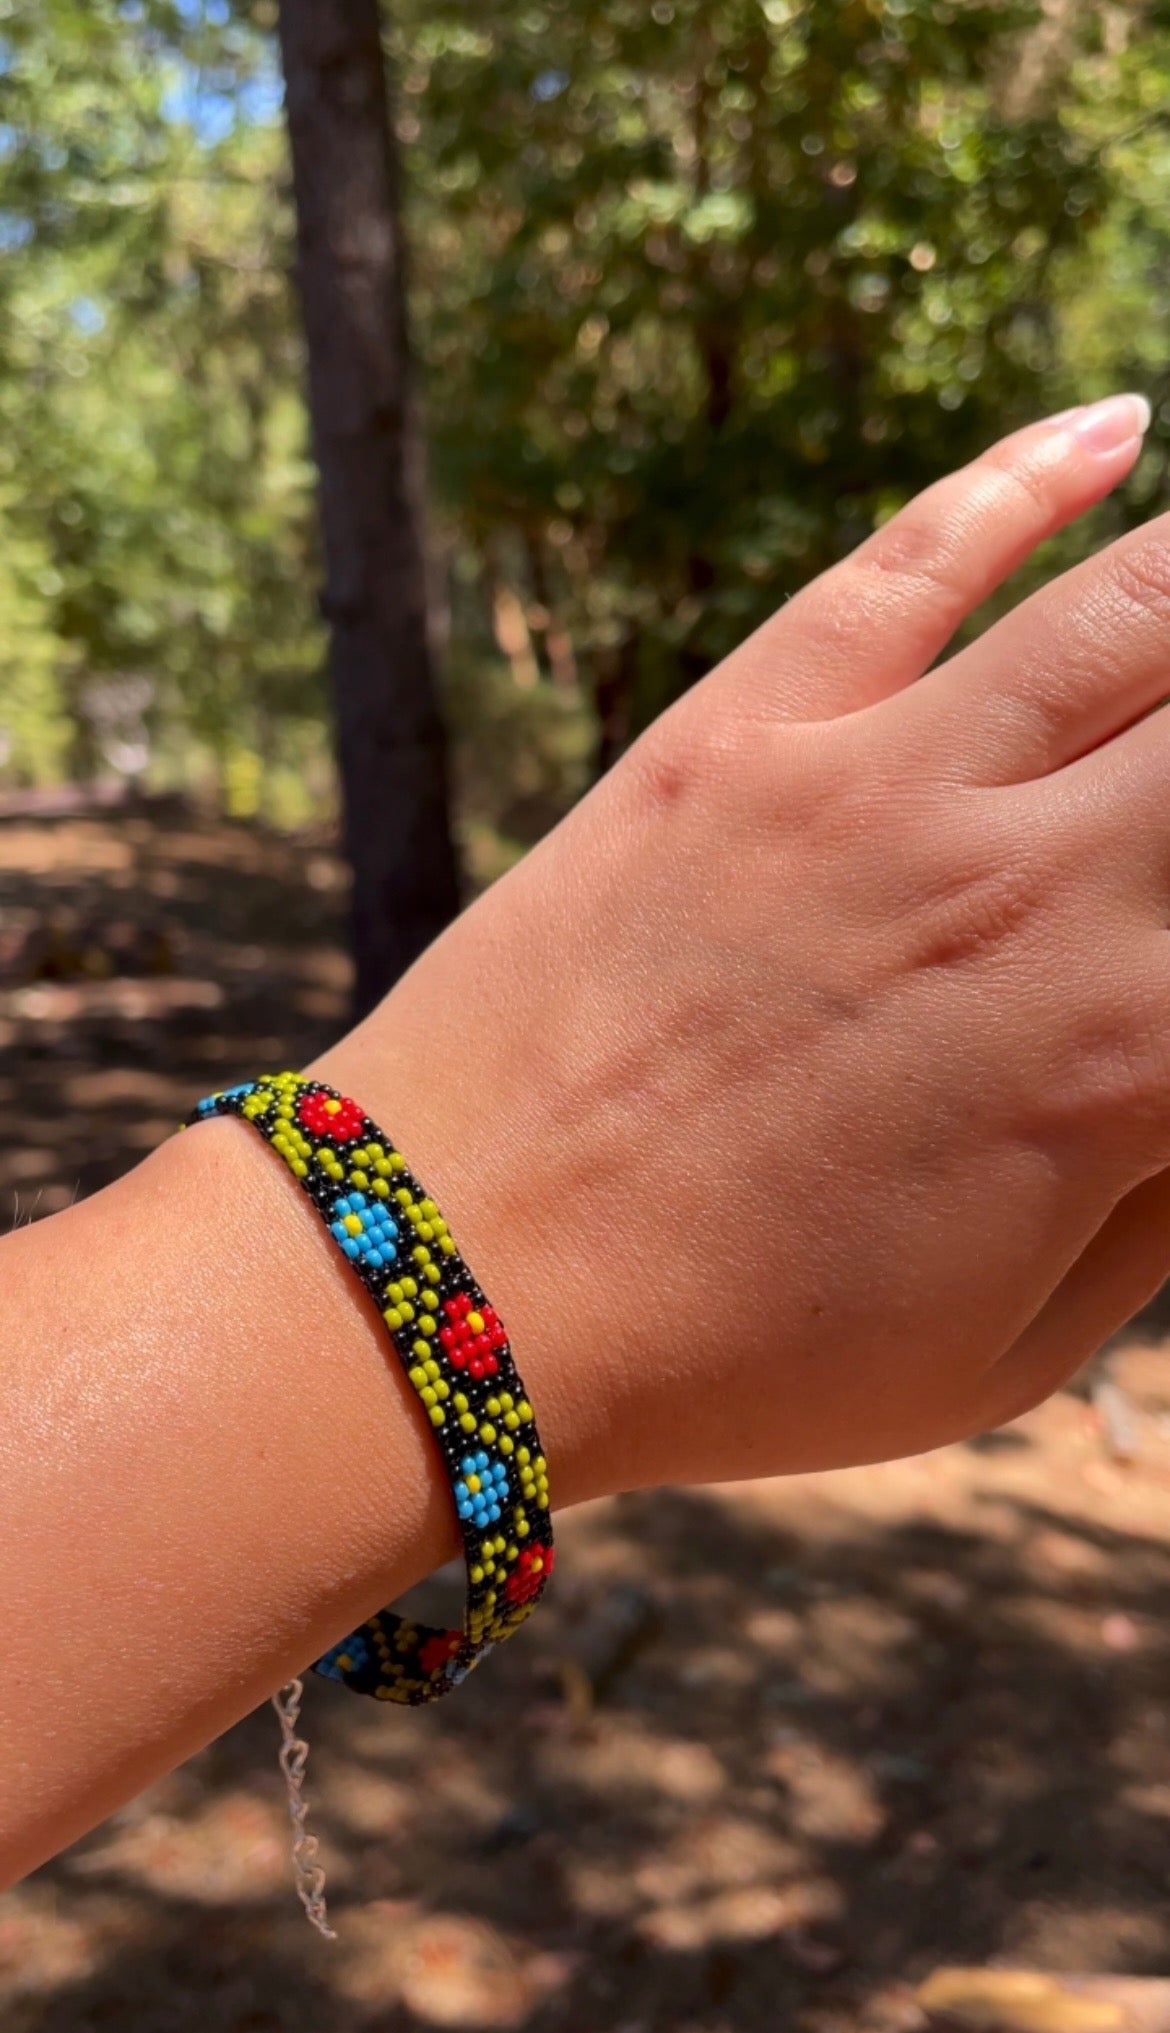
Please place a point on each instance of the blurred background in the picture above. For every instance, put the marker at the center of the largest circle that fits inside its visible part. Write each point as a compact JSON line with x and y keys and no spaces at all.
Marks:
{"x":695,"y":294}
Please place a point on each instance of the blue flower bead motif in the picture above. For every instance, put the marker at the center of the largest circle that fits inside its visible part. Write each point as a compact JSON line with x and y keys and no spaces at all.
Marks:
{"x":365,"y":1230}
{"x":355,"y":1652}
{"x":209,"y":1101}
{"x":481,"y":1490}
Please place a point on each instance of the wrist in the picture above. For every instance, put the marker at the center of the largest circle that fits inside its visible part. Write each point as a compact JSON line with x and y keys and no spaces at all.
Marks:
{"x":209,"y":1471}
{"x":471,"y":1115}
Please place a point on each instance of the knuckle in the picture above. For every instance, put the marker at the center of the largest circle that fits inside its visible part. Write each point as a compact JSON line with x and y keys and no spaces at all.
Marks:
{"x":1113,"y":1077}
{"x":973,"y":920}
{"x":925,"y":547}
{"x":1012,"y":475}
{"x":659,"y":770}
{"x":1139,"y":575}
{"x":681,"y":759}
{"x":977,"y":896}
{"x":914,"y":548}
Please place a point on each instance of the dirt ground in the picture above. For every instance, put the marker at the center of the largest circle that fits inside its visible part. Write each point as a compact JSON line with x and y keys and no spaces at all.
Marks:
{"x":785,"y":1748}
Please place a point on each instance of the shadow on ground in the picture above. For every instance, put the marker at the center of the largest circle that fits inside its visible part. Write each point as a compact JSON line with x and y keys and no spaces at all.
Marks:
{"x":831,"y":1764}
{"x":856,"y":1726}
{"x":143,"y":960}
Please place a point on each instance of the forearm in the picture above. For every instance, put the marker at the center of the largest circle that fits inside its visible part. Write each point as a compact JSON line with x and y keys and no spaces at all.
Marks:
{"x":783,"y":1100}
{"x":211,"y":1468}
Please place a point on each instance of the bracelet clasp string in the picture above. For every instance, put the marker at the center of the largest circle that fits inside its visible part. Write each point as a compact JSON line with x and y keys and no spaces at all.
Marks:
{"x":294,"y":1753}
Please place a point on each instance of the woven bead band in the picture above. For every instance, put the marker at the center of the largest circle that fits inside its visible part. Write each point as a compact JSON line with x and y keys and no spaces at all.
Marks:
{"x":455,"y":1352}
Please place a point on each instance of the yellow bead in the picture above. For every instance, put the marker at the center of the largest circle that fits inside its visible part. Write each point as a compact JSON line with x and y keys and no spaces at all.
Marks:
{"x":460,"y":1401}
{"x":437,"y":1416}
{"x":426,"y":1231}
{"x":506,"y":1444}
{"x":332,"y":1107}
{"x":432,"y":1368}
{"x":431,"y":1274}
{"x":524,"y":1409}
{"x":476,"y":1322}
{"x":394,"y":1294}
{"x":353,"y":1225}
{"x":523,"y":1529}
{"x":476,"y":1573}
{"x":487,"y":1432}
{"x":467,"y":1421}
{"x":446,"y":1245}
{"x":540,"y":1464}
{"x":473,"y":1481}
{"x":422,"y":1349}
{"x":402,"y":1196}
{"x":300,"y":1168}
{"x":428,"y":1208}
{"x":393,"y":1318}
{"x":493,"y":1407}
{"x":418,"y":1376}
{"x":427,"y":1323}
{"x":410,"y":1288}
{"x":523,"y":1456}
{"x":380,"y":1189}
{"x":359,"y":1179}
{"x":422,"y":1254}
{"x":442,"y":1388}
{"x":511,"y":1421}
{"x":428,"y":1397}
{"x":397,"y":1161}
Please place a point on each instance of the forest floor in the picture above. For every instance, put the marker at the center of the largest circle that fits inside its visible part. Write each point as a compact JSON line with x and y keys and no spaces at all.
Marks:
{"x":771,"y":1754}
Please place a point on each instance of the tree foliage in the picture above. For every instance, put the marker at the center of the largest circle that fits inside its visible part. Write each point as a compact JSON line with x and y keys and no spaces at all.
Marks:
{"x":702,"y":289}
{"x":158,"y":494}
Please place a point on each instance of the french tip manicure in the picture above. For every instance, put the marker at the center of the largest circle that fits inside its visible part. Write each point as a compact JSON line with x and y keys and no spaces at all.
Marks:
{"x":1106,"y":426}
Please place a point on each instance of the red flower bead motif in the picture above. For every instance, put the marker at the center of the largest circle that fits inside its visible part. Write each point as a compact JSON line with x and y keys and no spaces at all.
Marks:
{"x":471,"y":1335}
{"x":534,"y":1566}
{"x":340,"y":1119}
{"x":439,"y":1649}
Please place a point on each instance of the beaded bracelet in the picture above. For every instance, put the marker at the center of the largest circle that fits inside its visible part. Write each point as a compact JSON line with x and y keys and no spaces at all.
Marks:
{"x":455,"y":1352}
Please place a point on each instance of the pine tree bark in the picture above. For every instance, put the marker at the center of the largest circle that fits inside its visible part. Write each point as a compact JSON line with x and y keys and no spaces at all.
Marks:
{"x":367,"y":441}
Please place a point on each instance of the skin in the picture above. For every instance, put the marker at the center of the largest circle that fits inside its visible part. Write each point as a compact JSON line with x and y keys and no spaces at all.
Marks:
{"x":803,"y":1099}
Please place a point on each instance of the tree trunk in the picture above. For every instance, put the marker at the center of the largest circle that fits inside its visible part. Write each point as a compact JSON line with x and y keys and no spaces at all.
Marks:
{"x":390,"y":739}
{"x":613,"y":685}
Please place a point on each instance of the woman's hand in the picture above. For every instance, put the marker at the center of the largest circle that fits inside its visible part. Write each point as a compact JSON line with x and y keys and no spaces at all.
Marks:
{"x":788,"y":1097}
{"x":804,"y":1098}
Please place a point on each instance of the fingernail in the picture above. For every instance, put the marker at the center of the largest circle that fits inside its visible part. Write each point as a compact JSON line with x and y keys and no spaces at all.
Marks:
{"x":1104,"y":426}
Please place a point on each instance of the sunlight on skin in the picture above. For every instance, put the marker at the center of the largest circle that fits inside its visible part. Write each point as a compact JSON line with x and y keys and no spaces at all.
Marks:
{"x":802,"y":1100}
